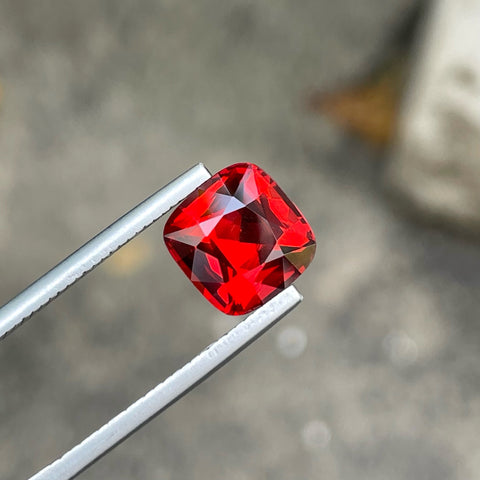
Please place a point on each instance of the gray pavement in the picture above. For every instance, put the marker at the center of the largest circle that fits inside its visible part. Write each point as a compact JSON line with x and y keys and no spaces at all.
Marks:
{"x":374,"y":377}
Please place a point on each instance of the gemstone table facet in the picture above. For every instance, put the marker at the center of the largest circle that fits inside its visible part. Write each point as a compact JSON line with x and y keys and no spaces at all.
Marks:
{"x":239,"y":239}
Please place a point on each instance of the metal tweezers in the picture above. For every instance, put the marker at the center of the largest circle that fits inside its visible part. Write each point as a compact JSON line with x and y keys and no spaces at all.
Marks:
{"x":74,"y":267}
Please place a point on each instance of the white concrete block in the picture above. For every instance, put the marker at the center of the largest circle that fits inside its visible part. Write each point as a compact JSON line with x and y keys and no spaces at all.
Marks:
{"x":436,"y":161}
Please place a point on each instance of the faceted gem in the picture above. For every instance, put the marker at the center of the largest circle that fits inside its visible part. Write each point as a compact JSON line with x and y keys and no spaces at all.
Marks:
{"x":239,"y":239}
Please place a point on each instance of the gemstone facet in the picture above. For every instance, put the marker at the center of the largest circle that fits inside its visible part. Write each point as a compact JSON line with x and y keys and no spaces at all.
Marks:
{"x":239,"y":239}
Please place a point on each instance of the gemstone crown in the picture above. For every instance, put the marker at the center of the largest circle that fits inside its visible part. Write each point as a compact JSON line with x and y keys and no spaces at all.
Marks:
{"x":239,"y":239}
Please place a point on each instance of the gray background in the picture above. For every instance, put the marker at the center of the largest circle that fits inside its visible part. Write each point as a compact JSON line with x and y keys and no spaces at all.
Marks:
{"x":103,"y":102}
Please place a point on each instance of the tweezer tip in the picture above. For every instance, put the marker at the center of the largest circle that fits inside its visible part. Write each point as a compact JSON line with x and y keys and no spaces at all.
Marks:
{"x":203,"y":167}
{"x":294,"y":293}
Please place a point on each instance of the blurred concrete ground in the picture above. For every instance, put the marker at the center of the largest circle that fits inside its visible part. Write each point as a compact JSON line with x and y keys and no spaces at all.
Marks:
{"x":375,"y":376}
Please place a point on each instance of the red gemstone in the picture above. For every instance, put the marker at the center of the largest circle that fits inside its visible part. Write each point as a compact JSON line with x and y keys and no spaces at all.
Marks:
{"x":239,"y":239}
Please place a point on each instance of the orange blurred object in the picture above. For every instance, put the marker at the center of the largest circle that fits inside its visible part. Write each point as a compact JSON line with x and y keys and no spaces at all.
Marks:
{"x":369,"y":109}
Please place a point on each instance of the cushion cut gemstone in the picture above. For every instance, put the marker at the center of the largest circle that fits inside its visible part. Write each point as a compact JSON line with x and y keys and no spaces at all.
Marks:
{"x":239,"y":239}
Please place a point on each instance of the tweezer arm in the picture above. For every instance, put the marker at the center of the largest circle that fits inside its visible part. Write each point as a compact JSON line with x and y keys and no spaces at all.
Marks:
{"x":172,"y":389}
{"x":67,"y":272}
